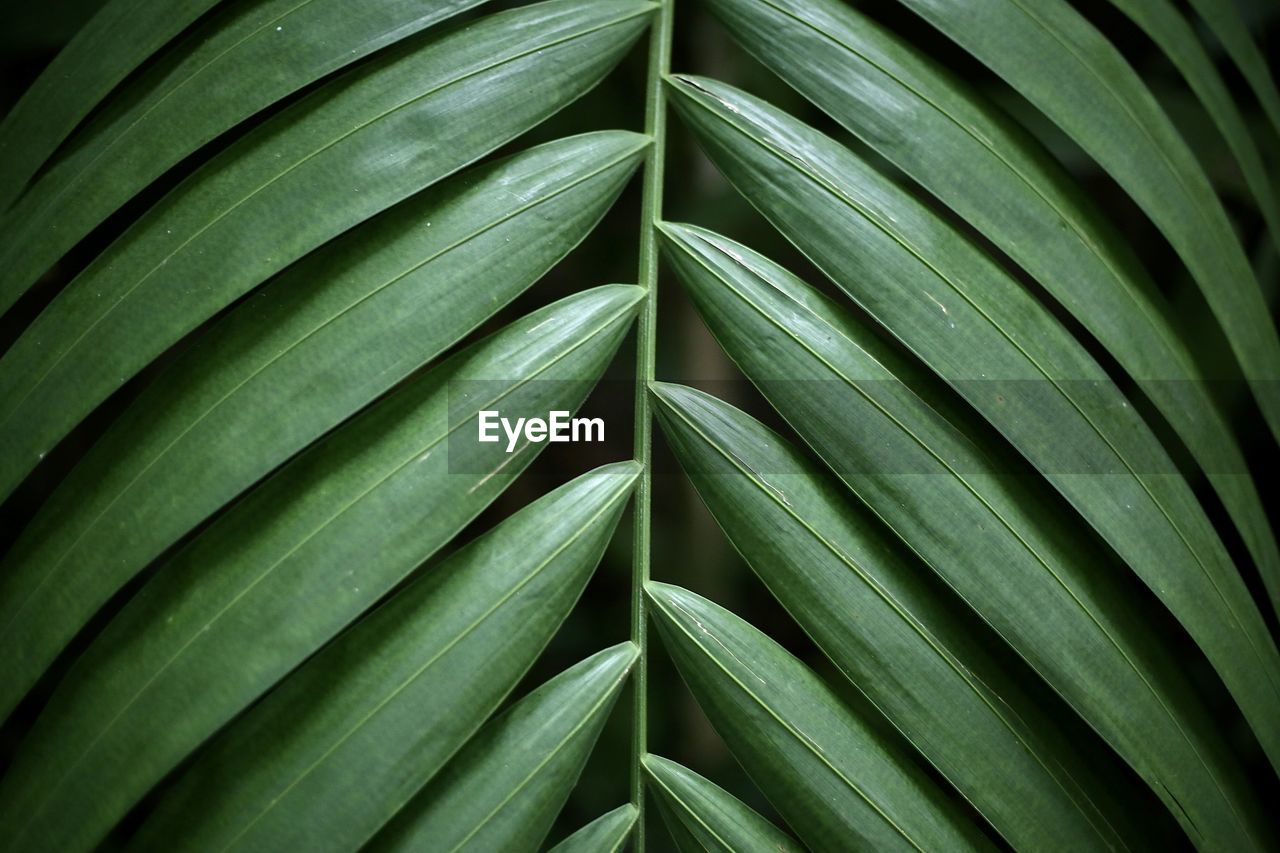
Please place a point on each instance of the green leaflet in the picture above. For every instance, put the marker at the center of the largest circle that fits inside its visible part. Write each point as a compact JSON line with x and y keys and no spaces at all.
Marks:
{"x":240,"y":63}
{"x":80,"y":76}
{"x":1070,"y":72}
{"x":908,"y":649}
{"x":606,"y":834}
{"x":504,"y":790}
{"x":332,"y":333}
{"x":1009,"y":358}
{"x":706,"y":812}
{"x":684,"y":840}
{"x":363,"y":142}
{"x":982,"y":165}
{"x":986,"y":528}
{"x":834,"y":779}
{"x":348,"y":519}
{"x":1162,"y":21}
{"x":333,"y":753}
{"x":1224,"y":19}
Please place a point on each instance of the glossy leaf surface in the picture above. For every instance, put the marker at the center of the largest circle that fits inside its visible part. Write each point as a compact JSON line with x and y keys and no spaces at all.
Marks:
{"x":332,"y":333}
{"x":1059,"y":62}
{"x":908,"y":648}
{"x":606,"y":834}
{"x":329,"y":757}
{"x":398,"y":481}
{"x":339,"y":156}
{"x":717,"y":820}
{"x":983,"y":525}
{"x":926,"y":121}
{"x":503,"y":790}
{"x":1009,"y":358}
{"x":227,"y":70}
{"x":833,"y":778}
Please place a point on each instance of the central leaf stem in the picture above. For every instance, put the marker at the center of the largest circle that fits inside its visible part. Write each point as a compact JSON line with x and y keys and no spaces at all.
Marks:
{"x":650,"y":212}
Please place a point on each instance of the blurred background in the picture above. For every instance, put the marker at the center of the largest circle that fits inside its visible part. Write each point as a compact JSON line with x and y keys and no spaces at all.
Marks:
{"x":688,"y":548}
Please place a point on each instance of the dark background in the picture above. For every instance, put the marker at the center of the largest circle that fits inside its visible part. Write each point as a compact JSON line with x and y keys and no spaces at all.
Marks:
{"x":688,"y":548}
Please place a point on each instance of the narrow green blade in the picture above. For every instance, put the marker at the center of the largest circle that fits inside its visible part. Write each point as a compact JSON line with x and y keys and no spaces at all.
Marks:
{"x":80,"y":76}
{"x":978,"y":329}
{"x":331,"y":755}
{"x":606,"y":834}
{"x":1224,"y":20}
{"x":983,"y":166}
{"x":907,"y":648}
{"x":336,"y":330}
{"x":224,"y":72}
{"x":684,"y":840}
{"x":1169,"y":29}
{"x":504,"y":790}
{"x":717,"y":819}
{"x":396,"y":483}
{"x":986,"y":527}
{"x":298,"y":180}
{"x":1068,"y":70}
{"x":834,"y":779}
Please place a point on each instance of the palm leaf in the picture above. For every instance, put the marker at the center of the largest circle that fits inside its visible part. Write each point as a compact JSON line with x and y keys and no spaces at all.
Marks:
{"x":606,"y":834}
{"x":503,"y":791}
{"x":444,"y":651}
{"x":1060,"y":63}
{"x":1224,"y":20}
{"x":80,"y":76}
{"x":980,"y":526}
{"x":707,"y":814}
{"x":1019,"y":198}
{"x":836,"y":780}
{"x":205,"y":85}
{"x":331,"y":334}
{"x":684,"y":841}
{"x":324,"y":162}
{"x":245,"y":608}
{"x":1009,"y":359}
{"x":383,"y":493}
{"x":908,"y":649}
{"x":1168,"y":28}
